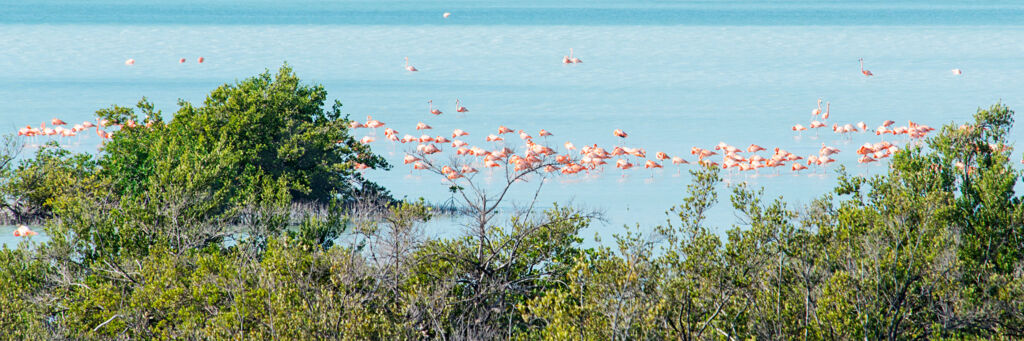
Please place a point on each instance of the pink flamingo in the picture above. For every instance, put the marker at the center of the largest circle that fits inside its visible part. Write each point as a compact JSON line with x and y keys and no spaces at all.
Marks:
{"x":24,"y":231}
{"x":409,"y":67}
{"x":432,"y":110}
{"x":865,"y":72}
{"x":459,"y":107}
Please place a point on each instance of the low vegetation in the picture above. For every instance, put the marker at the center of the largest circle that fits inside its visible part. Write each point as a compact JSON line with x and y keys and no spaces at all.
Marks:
{"x":187,"y":229}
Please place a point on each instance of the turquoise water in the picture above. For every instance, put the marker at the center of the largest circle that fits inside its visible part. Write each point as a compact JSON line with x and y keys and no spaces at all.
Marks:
{"x":672,"y":74}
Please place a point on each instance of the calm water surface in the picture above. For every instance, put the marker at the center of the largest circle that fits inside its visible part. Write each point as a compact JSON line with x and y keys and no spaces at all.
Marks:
{"x":672,"y":74}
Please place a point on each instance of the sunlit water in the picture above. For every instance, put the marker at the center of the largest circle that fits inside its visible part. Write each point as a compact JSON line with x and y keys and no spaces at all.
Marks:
{"x":672,"y":74}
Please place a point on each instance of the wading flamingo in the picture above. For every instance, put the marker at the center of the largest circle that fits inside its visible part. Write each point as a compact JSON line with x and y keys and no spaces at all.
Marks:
{"x":409,"y":67}
{"x":459,"y":107}
{"x":799,"y":128}
{"x":432,"y":110}
{"x":372,"y":123}
{"x":24,"y":231}
{"x":865,"y":72}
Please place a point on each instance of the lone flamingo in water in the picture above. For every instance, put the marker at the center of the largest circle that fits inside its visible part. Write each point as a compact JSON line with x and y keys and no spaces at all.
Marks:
{"x":459,"y":107}
{"x":409,"y":67}
{"x":865,"y":72}
{"x":958,"y":72}
{"x":24,"y":231}
{"x":432,"y":110}
{"x":573,"y":59}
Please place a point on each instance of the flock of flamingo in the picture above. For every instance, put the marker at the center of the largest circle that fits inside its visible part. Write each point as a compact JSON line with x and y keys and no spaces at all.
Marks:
{"x":59,"y":130}
{"x":496,"y":151}
{"x":591,"y":158}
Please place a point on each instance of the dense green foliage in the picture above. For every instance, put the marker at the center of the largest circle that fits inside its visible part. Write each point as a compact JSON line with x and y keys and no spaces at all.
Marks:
{"x":188,"y":230}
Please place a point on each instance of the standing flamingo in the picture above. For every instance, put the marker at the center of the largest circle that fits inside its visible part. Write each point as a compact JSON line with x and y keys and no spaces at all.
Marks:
{"x":573,"y":59}
{"x":24,"y":231}
{"x":799,"y":128}
{"x":409,"y":67}
{"x":828,"y":109}
{"x":432,"y":110}
{"x":459,"y":107}
{"x":817,"y":111}
{"x":865,"y":72}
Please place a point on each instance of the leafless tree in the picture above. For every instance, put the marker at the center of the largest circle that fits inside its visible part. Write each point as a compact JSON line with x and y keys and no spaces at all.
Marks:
{"x":496,"y":263}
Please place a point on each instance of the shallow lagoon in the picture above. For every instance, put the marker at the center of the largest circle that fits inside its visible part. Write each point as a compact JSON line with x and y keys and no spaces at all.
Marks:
{"x":672,"y":82}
